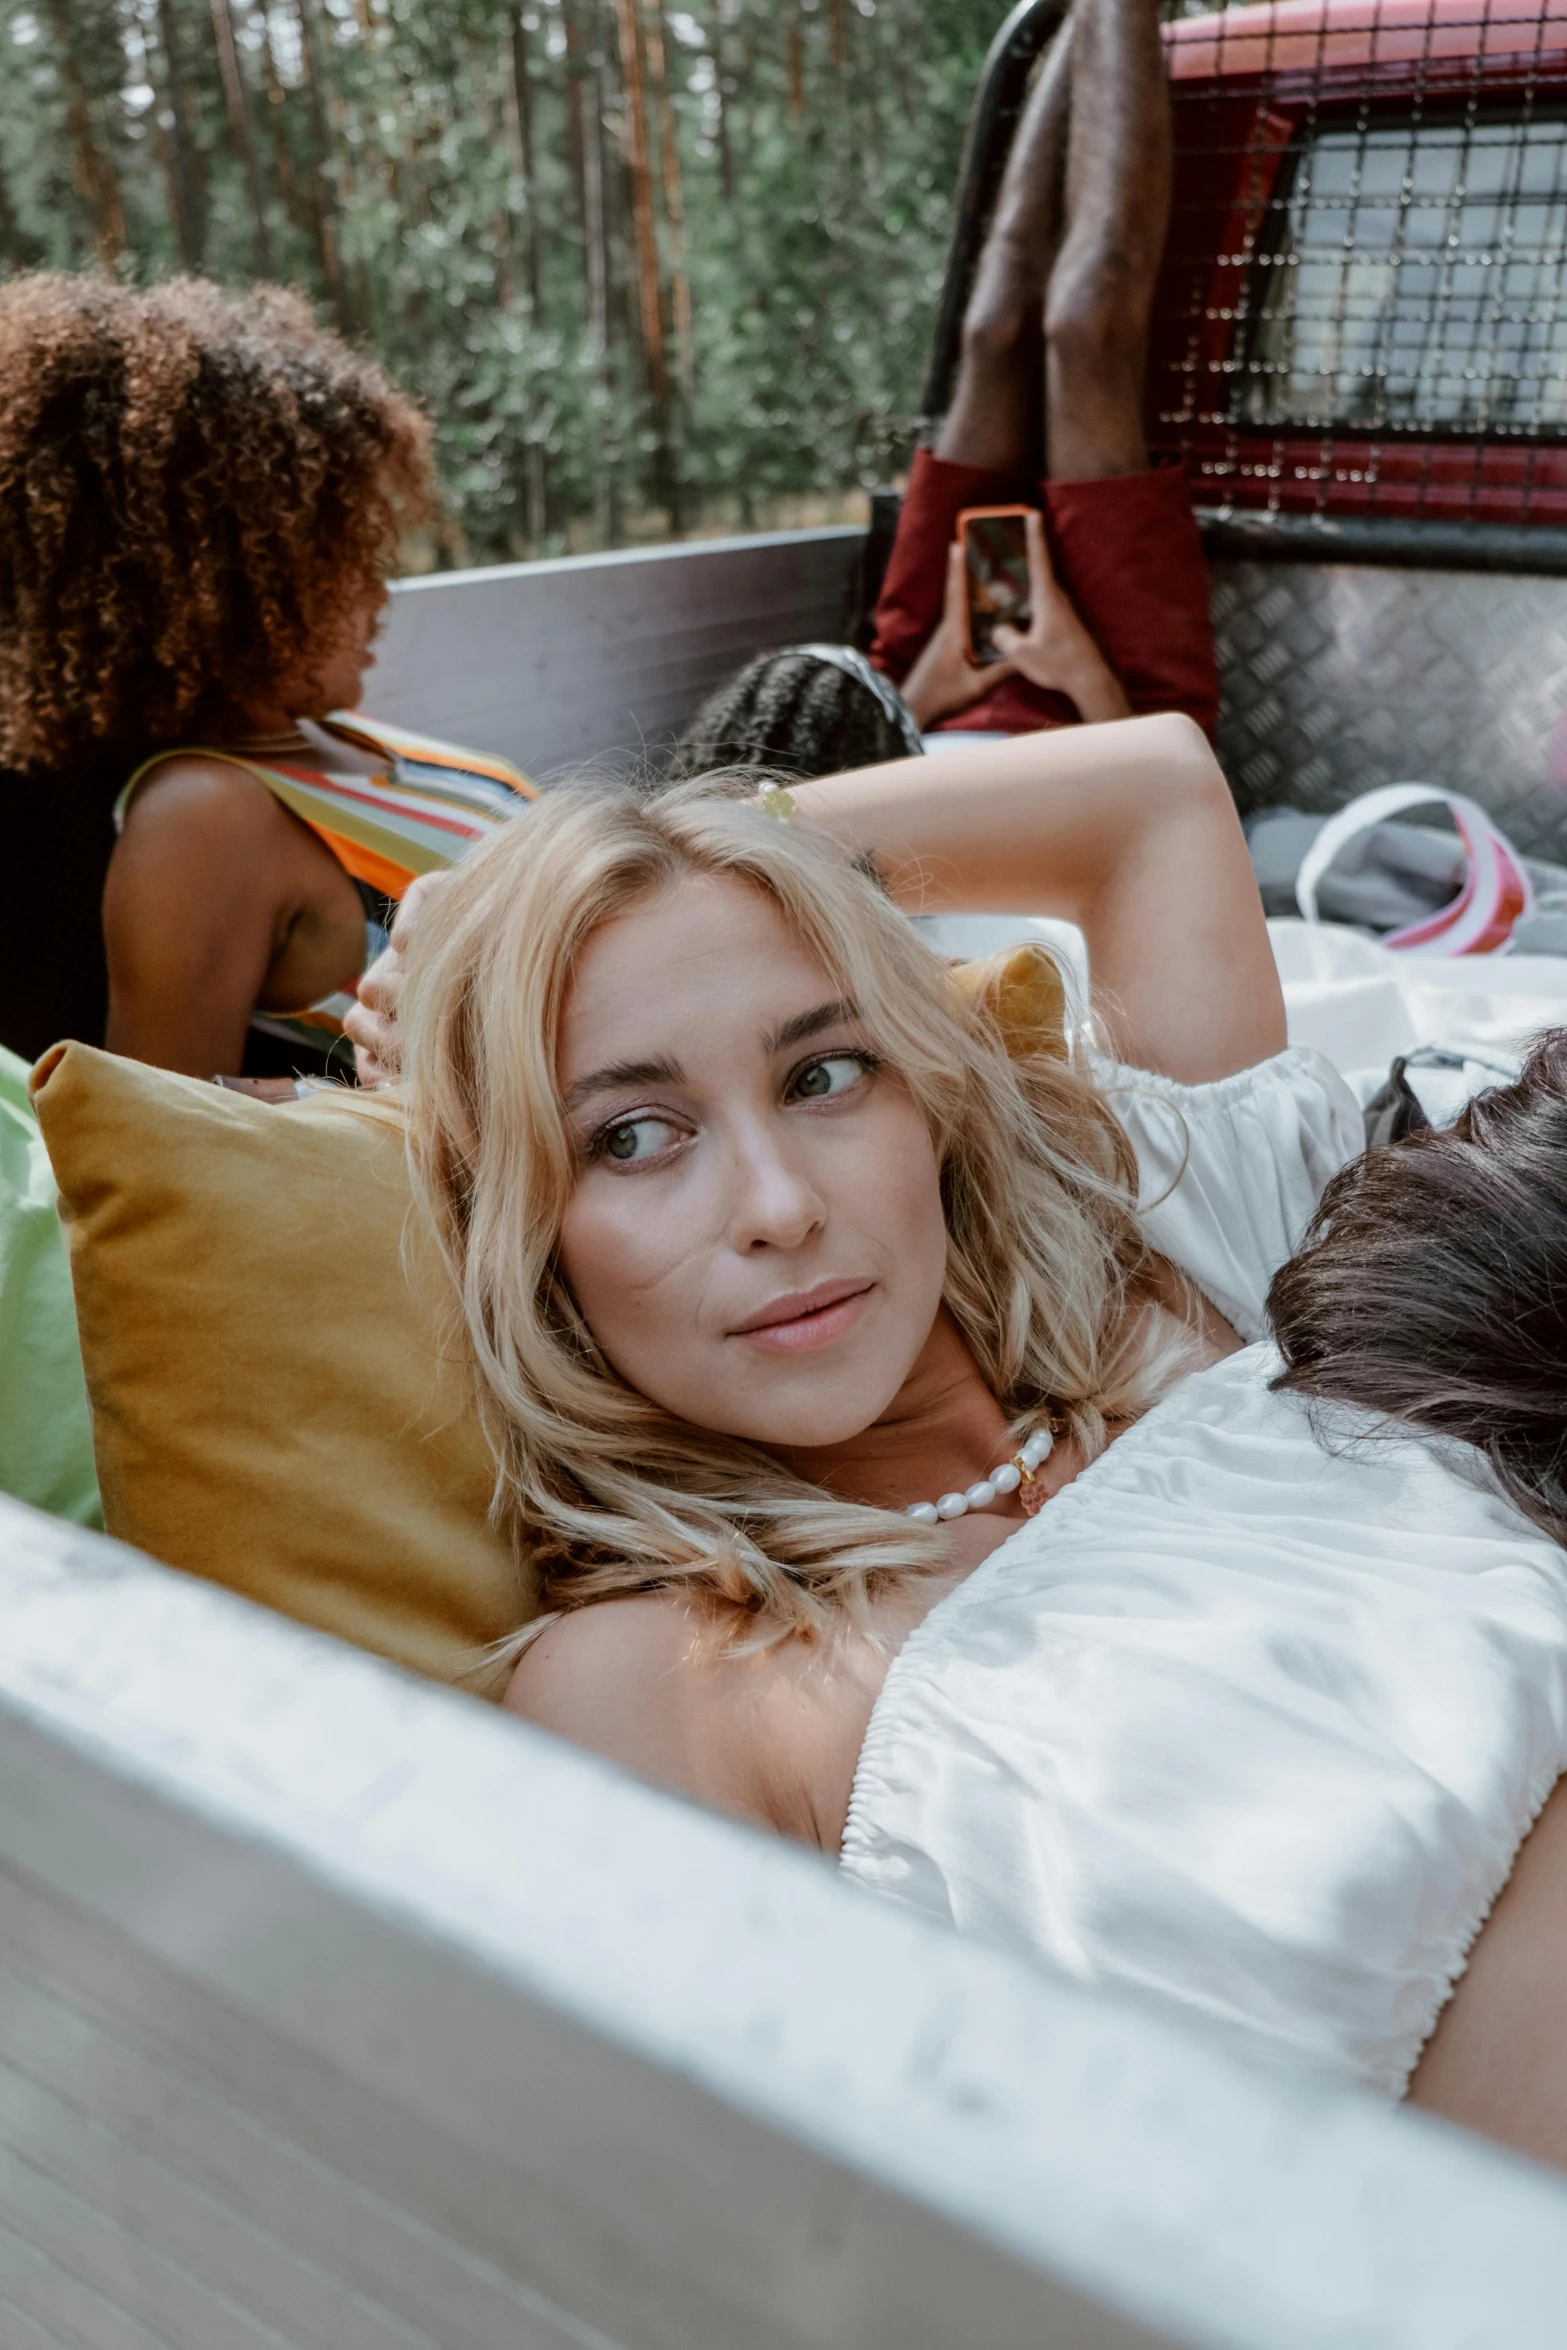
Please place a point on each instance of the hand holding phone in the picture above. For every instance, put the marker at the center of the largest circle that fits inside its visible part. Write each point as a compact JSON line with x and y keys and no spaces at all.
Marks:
{"x":944,"y":680}
{"x":996,"y":576}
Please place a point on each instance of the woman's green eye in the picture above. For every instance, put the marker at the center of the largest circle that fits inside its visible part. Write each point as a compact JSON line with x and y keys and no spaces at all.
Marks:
{"x":635,"y":1139}
{"x":835,"y":1074}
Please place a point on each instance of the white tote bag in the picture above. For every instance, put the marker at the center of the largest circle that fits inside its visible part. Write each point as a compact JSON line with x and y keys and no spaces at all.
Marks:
{"x":1496,"y":893}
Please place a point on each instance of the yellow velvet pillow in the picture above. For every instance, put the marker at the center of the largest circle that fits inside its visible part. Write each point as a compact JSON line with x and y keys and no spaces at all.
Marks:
{"x":276,"y":1400}
{"x":273,"y":1403}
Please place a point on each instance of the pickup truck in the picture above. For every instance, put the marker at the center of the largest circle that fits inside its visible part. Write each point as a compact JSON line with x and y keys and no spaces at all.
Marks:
{"x":338,"y":2013}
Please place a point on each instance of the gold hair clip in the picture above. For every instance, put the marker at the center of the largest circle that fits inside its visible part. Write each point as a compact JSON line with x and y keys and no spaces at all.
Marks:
{"x":775,"y":801}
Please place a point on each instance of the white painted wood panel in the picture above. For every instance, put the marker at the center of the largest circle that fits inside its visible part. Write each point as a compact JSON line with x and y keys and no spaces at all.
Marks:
{"x":338,"y":2012}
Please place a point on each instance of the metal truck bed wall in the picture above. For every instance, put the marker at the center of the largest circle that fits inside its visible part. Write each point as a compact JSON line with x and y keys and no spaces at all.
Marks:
{"x":1336,"y":676}
{"x":556,"y":663}
{"x":339,"y":2013}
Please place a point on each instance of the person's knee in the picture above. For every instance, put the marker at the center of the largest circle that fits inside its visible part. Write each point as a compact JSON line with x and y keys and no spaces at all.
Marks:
{"x":1094,"y":324}
{"x":998,"y":323}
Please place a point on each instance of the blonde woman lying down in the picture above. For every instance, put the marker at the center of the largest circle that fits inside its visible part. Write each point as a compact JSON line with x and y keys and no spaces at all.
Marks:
{"x":895,"y":1423}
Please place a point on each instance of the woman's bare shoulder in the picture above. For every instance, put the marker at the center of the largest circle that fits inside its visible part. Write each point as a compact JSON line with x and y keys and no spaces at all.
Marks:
{"x":192,"y":786}
{"x":584,"y":1668}
{"x":770,"y":1737}
{"x":1497,"y":2061}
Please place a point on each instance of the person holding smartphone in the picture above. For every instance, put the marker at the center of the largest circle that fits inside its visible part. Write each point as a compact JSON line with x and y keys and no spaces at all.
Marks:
{"x":1115,"y":615}
{"x":1043,"y":573}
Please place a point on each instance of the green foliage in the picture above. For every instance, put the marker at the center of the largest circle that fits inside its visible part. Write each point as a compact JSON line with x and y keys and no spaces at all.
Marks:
{"x":479,"y":228}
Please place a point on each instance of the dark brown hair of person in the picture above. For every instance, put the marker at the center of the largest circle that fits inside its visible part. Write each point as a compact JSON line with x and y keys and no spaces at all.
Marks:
{"x":198,"y":491}
{"x":1432,"y":1287}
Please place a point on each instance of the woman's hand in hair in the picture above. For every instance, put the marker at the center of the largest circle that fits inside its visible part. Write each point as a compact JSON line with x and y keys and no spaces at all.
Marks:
{"x":944,"y":679}
{"x":371,"y":1025}
{"x":1056,"y":651}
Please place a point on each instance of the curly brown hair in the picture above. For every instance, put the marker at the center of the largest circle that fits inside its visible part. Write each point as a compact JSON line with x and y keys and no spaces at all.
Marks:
{"x":198,"y":492}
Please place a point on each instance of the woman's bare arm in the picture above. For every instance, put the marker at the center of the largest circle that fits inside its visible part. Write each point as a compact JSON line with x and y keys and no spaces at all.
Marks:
{"x":218,"y":900}
{"x":1497,"y":2061}
{"x":770,"y":1738}
{"x":1126,"y":829}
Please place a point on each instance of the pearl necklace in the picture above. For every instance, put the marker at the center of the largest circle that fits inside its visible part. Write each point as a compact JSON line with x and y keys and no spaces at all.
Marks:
{"x":1022,"y":1469}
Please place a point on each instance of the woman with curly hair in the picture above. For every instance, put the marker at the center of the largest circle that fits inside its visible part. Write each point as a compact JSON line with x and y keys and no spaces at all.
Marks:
{"x":200,"y":496}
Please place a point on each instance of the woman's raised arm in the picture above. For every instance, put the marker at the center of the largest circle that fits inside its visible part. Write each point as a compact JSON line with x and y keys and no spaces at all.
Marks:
{"x":1127,"y":829}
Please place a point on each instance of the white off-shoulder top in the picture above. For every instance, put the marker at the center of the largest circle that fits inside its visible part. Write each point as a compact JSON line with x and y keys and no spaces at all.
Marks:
{"x":1251,"y":1720}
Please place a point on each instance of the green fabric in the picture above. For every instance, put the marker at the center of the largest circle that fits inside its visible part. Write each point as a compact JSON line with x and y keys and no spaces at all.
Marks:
{"x":45,"y":1434}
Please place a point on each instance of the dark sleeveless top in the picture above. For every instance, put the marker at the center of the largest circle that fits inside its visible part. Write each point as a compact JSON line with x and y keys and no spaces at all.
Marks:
{"x":56,"y":838}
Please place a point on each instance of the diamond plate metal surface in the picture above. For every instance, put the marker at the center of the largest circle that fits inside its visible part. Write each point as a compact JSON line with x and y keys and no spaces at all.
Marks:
{"x":1338,"y":677}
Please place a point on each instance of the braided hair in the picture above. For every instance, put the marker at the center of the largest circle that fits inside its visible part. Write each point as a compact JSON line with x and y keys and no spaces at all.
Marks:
{"x":810,"y":710}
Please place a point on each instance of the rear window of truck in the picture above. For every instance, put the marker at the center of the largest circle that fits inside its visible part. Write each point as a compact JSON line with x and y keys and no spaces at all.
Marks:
{"x":1415,"y":279}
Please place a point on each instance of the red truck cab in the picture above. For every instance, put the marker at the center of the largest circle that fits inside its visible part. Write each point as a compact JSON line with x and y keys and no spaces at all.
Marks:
{"x":1362,"y":312}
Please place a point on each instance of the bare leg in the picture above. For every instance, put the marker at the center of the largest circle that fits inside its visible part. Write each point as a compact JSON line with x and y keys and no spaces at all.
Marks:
{"x":1117,"y":217}
{"x":992,"y":420}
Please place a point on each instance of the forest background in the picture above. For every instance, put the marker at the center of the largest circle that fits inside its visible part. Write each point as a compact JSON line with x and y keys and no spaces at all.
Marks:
{"x":652,"y":269}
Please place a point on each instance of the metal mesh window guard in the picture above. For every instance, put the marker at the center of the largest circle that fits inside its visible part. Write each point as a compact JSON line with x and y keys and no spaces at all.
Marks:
{"x":1359,"y":352}
{"x":1362,"y":318}
{"x":1363,"y":314}
{"x":1415,"y":282}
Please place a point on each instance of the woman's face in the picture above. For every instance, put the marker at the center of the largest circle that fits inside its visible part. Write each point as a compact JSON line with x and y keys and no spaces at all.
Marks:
{"x":755,"y":1235}
{"x":335,"y":679}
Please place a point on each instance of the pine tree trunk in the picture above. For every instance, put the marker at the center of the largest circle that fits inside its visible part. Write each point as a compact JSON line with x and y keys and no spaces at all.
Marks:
{"x":97,"y":181}
{"x":595,"y":252}
{"x":606,"y":484}
{"x":343,"y":190}
{"x":522,"y":100}
{"x":237,"y":100}
{"x":379,"y":97}
{"x":838,"y":31}
{"x":796,"y":51}
{"x":674,"y":196}
{"x":413,"y":188}
{"x":187,"y":186}
{"x":490,"y":104}
{"x":650,"y":292}
{"x":576,"y":111}
{"x":721,"y":97}
{"x":294,"y":201}
{"x":650,"y":288}
{"x":323,"y":207}
{"x":163,"y":148}
{"x":536,"y":496}
{"x":16,"y":250}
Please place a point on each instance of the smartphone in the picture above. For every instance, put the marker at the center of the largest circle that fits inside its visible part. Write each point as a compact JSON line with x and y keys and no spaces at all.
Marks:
{"x":995,"y":567}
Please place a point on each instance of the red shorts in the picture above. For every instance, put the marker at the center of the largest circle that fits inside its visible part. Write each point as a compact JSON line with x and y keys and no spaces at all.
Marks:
{"x":1125,"y":550}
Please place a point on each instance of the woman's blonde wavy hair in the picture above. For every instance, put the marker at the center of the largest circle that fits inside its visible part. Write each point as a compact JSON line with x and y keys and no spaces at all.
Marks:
{"x":1048,"y":1275}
